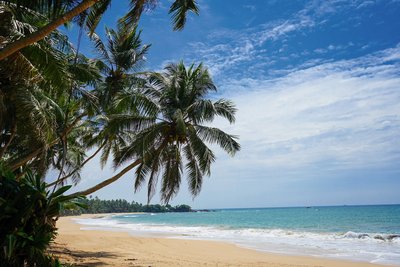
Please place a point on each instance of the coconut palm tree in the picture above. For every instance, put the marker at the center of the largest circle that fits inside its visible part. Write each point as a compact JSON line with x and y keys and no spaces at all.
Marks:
{"x":121,"y":56}
{"x":88,"y":12}
{"x":173,"y":132}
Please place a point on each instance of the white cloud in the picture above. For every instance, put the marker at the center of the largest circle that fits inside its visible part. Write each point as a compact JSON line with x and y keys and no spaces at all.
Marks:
{"x":345,"y":114}
{"x":226,"y":48}
{"x":274,"y":31}
{"x":365,"y":4}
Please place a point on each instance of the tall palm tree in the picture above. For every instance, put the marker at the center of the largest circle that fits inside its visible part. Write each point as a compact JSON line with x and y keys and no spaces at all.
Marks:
{"x":89,"y":11}
{"x":121,"y":56}
{"x":174,"y":134}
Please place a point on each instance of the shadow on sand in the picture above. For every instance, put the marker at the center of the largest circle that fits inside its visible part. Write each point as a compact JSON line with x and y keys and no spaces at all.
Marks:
{"x":79,"y":257}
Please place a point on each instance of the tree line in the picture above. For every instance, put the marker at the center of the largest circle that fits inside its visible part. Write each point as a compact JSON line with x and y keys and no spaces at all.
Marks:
{"x":96,"y":205}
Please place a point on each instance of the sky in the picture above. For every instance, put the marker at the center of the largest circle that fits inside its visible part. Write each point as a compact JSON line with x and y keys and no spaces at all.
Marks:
{"x":317,"y":87}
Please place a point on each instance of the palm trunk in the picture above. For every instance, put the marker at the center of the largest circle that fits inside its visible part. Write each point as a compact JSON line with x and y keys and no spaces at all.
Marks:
{"x":77,"y":169}
{"x":108,"y":181}
{"x":16,"y":164}
{"x":46,"y":30}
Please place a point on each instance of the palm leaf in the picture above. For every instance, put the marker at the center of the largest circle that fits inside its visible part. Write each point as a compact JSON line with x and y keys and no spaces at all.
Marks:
{"x":217,"y":136}
{"x":195,"y":175}
{"x":179,"y":10}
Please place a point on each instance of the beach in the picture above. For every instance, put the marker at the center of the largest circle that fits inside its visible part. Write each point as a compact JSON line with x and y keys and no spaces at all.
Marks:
{"x":118,"y":248}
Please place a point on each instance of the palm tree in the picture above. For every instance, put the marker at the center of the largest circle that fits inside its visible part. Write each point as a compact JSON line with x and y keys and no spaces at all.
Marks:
{"x":120,"y":57}
{"x":175,"y":138}
{"x":34,"y":95}
{"x":89,"y":11}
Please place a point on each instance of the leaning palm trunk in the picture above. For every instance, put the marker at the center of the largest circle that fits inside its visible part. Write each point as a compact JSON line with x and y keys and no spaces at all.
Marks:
{"x":62,"y":179}
{"x":22,"y":161}
{"x":46,"y":30}
{"x":178,"y":10}
{"x":108,"y":181}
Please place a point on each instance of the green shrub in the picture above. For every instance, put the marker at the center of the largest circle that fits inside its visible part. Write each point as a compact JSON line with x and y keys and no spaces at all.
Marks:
{"x":28,"y":214}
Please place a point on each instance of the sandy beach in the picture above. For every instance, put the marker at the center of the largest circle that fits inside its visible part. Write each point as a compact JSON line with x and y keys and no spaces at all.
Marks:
{"x":107,"y":248}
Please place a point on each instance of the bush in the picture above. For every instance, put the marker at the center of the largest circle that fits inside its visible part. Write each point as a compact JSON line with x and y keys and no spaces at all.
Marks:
{"x":28,"y":214}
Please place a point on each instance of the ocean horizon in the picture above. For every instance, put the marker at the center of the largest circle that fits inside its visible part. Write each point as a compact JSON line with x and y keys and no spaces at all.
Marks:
{"x":368,"y":233}
{"x":298,"y":206}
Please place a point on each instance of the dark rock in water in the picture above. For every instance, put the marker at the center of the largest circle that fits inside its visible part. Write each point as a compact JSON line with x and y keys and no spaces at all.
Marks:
{"x":391,"y":237}
{"x":205,"y":210}
{"x":379,"y":237}
{"x":383,"y":237}
{"x":363,"y":236}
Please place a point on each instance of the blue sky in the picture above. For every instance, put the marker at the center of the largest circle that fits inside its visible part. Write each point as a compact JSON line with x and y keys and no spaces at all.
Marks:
{"x":317,"y":85}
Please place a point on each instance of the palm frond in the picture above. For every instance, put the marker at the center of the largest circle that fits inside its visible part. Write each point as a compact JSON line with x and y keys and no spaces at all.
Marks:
{"x":179,"y":9}
{"x":95,"y":14}
{"x":216,"y":136}
{"x":171,"y":179}
{"x":137,"y":102}
{"x":153,"y":178}
{"x":141,"y":172}
{"x":201,"y":111}
{"x":137,"y":7}
{"x":195,"y":175}
{"x":204,"y":155}
{"x":50,"y":63}
{"x":128,"y":122}
{"x":142,"y":142}
{"x":100,"y":48}
{"x":226,"y":109}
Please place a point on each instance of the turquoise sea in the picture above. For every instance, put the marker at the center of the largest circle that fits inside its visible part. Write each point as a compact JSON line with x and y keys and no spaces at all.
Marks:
{"x":361,"y":233}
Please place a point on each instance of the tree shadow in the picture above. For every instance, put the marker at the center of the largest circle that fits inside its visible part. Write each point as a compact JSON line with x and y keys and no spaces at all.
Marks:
{"x":89,"y":264}
{"x":80,"y":258}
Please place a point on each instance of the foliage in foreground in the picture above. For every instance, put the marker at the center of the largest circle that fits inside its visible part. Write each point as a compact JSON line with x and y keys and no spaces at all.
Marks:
{"x":96,"y":205}
{"x":27,"y":221}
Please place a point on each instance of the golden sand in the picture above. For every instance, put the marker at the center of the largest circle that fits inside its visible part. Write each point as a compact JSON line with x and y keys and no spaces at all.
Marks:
{"x":107,"y":248}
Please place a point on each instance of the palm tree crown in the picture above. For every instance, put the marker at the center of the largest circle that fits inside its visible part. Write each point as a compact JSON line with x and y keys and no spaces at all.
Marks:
{"x":121,"y":56}
{"x":176,"y":139}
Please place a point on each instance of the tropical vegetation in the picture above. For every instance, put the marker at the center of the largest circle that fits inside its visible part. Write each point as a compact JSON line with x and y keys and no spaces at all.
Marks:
{"x":60,"y":109}
{"x":96,"y":205}
{"x":28,"y":219}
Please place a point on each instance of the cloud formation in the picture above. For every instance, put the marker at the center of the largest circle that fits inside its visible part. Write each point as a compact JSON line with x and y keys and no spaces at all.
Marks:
{"x":267,"y":48}
{"x":341,"y":115}
{"x":225,"y":48}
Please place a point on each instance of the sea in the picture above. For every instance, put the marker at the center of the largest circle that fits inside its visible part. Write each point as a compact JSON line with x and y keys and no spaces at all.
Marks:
{"x":356,"y":233}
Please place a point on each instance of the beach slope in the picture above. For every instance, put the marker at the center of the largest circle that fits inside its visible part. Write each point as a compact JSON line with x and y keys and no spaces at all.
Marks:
{"x":107,"y":248}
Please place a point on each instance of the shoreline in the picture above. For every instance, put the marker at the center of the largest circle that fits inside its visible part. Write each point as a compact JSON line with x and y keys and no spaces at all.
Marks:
{"x":119,"y":248}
